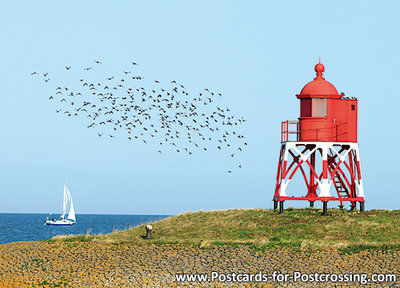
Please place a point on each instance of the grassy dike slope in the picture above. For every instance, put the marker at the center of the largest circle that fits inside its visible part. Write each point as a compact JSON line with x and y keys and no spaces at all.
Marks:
{"x":302,"y":228}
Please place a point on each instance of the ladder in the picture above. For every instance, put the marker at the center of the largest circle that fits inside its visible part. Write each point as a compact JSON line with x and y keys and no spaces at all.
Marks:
{"x":340,"y":186}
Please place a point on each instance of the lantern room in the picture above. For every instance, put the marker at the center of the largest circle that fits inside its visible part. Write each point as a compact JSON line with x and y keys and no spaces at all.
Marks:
{"x":325,"y":115}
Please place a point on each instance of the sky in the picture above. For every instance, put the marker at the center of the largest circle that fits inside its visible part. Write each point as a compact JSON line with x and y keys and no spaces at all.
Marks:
{"x":257,"y":54}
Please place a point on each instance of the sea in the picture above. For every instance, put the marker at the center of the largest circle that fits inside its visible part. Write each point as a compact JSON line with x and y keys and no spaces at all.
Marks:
{"x":30,"y":227}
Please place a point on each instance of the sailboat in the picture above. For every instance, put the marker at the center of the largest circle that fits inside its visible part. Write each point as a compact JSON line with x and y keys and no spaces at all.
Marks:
{"x":66,"y":219}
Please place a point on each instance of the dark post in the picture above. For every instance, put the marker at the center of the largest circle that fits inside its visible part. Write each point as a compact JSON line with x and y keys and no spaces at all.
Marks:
{"x":362,"y":206}
{"x":325,"y":208}
{"x":280,"y":207}
{"x":275,"y":205}
{"x":148,"y":232}
{"x":353,"y":206}
{"x":311,"y":204}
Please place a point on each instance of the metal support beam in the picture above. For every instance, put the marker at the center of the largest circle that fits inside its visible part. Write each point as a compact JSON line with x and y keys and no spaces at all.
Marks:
{"x":325,"y":208}
{"x":353,"y":206}
{"x":362,"y":206}
{"x":280,"y":207}
{"x":275,"y":205}
{"x":311,"y":204}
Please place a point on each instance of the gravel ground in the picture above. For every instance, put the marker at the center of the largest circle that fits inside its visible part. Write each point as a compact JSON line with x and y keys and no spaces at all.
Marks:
{"x":91,"y":264}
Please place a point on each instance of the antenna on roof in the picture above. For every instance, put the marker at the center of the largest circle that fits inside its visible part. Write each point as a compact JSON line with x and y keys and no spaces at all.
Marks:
{"x":319,"y":60}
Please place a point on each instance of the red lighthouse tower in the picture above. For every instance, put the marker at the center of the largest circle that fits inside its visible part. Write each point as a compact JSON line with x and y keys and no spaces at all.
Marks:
{"x":322,"y":146}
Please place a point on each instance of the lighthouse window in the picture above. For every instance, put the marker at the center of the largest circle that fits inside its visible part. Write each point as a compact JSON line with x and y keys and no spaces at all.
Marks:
{"x":353,"y":107}
{"x":319,"y":107}
{"x":305,"y":108}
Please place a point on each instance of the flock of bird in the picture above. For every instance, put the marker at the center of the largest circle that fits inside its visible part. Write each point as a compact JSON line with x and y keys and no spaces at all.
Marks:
{"x":168,"y":115}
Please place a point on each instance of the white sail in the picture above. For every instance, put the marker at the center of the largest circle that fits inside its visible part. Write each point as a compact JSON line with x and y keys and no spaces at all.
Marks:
{"x":71,"y":213}
{"x":65,"y":201}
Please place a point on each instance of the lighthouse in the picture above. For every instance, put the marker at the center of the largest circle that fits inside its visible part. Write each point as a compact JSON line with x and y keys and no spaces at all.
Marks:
{"x":321,"y":146}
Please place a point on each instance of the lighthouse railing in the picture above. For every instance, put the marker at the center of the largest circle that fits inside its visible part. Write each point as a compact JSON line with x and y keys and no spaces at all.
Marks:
{"x":290,"y":131}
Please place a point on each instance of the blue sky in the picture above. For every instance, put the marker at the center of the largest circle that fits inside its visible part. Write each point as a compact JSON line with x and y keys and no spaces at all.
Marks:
{"x":258,"y":54}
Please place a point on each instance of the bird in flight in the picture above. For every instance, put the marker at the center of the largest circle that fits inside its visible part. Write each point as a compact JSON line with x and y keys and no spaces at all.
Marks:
{"x":34,"y":73}
{"x":67,"y":67}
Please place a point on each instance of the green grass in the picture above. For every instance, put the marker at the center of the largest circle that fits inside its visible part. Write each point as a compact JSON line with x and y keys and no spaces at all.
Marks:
{"x":263,"y":229}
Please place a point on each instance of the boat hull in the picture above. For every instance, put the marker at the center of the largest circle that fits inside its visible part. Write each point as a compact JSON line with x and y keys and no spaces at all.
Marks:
{"x":64,"y":222}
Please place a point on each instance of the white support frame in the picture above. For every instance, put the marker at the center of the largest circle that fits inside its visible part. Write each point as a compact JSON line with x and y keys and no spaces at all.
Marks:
{"x":324,"y":185}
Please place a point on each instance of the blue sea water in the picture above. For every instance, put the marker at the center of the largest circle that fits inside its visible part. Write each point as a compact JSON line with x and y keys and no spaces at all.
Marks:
{"x":30,"y":227}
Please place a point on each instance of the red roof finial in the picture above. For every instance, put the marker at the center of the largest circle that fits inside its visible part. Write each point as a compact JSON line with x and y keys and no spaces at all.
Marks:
{"x":319,"y":68}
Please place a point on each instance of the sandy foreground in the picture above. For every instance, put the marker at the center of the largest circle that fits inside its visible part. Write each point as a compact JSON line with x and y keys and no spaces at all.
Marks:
{"x":91,"y":264}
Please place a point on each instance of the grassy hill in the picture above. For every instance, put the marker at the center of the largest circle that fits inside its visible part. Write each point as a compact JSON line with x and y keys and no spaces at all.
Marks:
{"x":301,"y":228}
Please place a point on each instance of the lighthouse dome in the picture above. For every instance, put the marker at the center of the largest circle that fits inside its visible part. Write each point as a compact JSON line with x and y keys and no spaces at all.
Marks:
{"x":319,"y":86}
